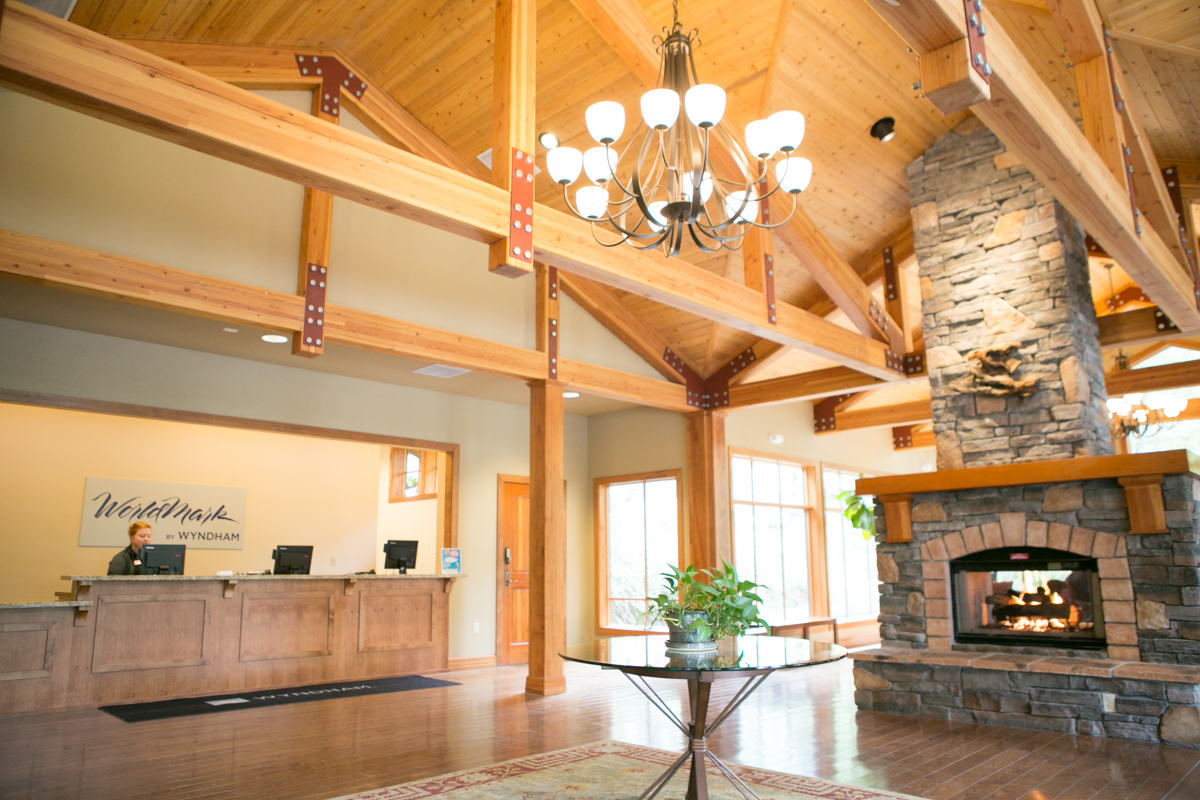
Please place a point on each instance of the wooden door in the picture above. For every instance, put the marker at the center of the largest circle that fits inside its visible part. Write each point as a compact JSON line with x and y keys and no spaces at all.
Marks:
{"x":512,"y":564}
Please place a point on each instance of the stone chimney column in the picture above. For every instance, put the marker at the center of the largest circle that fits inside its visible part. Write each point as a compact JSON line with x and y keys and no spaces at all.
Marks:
{"x":1011,"y":338}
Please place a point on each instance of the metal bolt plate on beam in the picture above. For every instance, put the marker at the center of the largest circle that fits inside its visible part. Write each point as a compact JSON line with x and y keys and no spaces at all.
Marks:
{"x":313,"y":331}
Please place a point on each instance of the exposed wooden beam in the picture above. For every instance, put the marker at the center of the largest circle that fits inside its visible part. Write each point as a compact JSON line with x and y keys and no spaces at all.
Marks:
{"x":627,"y":29}
{"x":79,"y":69}
{"x":910,"y":413}
{"x":604,"y":305}
{"x":1027,"y":117}
{"x":253,"y":67}
{"x":79,"y":269}
{"x":805,"y":386}
{"x":765,"y":354}
{"x":1153,"y":197}
{"x":1153,"y":379}
{"x":1081,"y":28}
{"x":1132,"y":328}
{"x":513,"y":134}
{"x":1113,"y":304}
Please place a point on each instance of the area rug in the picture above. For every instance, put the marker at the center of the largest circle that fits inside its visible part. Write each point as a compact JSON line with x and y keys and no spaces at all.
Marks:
{"x":190,"y":706}
{"x":609,"y":771}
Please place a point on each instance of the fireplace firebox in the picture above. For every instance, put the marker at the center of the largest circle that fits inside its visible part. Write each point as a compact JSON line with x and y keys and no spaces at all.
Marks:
{"x":1024,"y":596}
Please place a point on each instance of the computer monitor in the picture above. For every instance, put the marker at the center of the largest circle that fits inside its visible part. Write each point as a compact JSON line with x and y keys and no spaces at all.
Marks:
{"x":162,"y":559}
{"x":401,"y":555}
{"x":292,"y":559}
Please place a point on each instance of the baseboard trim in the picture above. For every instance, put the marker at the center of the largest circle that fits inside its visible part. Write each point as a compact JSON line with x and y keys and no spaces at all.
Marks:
{"x":480,"y":662}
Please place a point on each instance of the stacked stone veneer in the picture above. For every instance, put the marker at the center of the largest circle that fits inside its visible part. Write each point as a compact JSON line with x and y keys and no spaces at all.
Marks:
{"x":1001,"y":261}
{"x":1122,"y":700}
{"x":1150,"y":583}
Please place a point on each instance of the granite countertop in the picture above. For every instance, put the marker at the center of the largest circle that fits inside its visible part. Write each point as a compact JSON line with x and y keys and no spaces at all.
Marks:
{"x":49,"y":604}
{"x":236,"y":577}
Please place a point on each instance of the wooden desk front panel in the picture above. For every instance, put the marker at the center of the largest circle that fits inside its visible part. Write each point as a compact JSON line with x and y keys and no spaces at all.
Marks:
{"x":152,"y":639}
{"x":36,"y":645}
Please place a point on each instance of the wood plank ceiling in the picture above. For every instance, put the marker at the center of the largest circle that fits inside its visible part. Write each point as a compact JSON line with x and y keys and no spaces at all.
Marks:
{"x":834,"y":60}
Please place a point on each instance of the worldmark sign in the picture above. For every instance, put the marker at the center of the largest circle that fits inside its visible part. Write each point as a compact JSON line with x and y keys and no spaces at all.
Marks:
{"x":201,"y":517}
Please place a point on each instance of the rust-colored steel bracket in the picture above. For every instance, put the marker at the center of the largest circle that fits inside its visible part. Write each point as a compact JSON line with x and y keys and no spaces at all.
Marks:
{"x":335,"y":76}
{"x":314,"y":306}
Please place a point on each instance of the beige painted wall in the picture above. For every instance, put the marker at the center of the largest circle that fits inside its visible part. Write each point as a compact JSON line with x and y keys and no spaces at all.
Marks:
{"x":75,"y":179}
{"x":52,"y":452}
{"x":494,"y":438}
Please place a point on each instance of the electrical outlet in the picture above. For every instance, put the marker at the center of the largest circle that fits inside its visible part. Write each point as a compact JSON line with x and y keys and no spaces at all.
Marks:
{"x":1108,"y":702}
{"x":474,"y":627}
{"x":333,"y":561}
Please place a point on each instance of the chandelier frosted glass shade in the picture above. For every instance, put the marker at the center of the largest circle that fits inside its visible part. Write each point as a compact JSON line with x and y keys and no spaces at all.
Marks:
{"x":564,"y":164}
{"x":660,"y":108}
{"x":705,"y":104}
{"x":599,"y":163}
{"x":680,"y":175}
{"x":605,"y":121}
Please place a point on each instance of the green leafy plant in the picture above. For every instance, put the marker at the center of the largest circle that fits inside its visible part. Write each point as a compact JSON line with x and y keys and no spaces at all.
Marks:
{"x":860,"y":513}
{"x":730,"y":605}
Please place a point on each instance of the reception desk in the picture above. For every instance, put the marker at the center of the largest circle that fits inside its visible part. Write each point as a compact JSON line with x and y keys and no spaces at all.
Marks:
{"x":127,"y":638}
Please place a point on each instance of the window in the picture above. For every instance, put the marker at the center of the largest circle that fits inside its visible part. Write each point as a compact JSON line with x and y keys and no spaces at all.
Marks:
{"x":414,"y":475}
{"x":772,"y":520}
{"x":849,"y":558}
{"x":638,"y":528}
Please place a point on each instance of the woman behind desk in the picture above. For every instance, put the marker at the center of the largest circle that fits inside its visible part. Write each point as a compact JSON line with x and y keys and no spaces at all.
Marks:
{"x":128,"y":561}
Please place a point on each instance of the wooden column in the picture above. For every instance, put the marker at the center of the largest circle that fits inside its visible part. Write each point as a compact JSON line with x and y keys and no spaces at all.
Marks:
{"x":315,"y":228}
{"x":513,"y":136}
{"x":547,"y":540}
{"x":709,"y":534}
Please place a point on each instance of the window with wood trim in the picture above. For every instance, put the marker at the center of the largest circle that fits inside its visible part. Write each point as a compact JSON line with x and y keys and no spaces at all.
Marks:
{"x":773,"y":524}
{"x":639,"y":528}
{"x":414,"y":475}
{"x":850,"y":559}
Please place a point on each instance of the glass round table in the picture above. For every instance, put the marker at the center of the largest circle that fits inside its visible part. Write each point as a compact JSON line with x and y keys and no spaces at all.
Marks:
{"x":753,"y":658}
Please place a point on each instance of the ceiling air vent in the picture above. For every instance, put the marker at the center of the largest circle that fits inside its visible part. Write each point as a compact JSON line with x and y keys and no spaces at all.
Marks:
{"x":441,"y":371}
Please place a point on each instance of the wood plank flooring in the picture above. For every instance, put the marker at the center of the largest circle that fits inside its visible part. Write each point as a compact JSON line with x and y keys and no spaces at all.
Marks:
{"x":802,"y":722}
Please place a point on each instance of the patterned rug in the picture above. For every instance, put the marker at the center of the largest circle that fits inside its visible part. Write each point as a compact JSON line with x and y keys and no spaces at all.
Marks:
{"x":609,"y":771}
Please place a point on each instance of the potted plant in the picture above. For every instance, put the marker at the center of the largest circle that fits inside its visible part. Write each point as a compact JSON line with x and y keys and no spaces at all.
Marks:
{"x":699,"y":613}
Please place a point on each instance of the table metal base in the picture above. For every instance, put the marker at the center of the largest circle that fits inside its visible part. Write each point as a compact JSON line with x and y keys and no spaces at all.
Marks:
{"x":697,"y":732}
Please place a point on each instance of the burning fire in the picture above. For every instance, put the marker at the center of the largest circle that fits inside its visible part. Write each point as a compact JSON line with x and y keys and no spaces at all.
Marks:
{"x":1035,"y":625}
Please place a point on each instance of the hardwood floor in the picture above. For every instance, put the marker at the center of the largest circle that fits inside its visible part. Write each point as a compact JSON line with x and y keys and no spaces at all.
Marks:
{"x":801,"y":722}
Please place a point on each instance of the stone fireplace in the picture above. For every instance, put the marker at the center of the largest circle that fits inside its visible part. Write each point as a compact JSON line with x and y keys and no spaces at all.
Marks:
{"x":1035,"y":579}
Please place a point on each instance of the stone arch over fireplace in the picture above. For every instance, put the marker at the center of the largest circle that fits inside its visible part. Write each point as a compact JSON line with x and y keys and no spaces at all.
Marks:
{"x":1014,"y":530}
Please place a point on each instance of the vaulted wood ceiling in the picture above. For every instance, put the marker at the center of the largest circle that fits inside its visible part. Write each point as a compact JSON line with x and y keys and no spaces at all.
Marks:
{"x":834,"y":60}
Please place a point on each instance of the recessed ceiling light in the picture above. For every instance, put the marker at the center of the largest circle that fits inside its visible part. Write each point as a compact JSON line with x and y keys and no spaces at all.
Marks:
{"x":548,"y":140}
{"x":570,"y":395}
{"x":441,"y":371}
{"x":275,"y":338}
{"x":775,"y":438}
{"x":884,"y":129}
{"x":230,"y":330}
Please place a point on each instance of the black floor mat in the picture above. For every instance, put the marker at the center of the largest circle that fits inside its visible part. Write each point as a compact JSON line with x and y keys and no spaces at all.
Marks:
{"x":189,"y":706}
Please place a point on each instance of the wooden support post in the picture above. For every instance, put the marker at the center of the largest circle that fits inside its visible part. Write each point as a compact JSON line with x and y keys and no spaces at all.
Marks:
{"x":897,"y":514}
{"x":513,"y":135}
{"x":315,"y":230}
{"x":1143,"y":493}
{"x":710,"y":536}
{"x":948,"y":80}
{"x":547,"y":540}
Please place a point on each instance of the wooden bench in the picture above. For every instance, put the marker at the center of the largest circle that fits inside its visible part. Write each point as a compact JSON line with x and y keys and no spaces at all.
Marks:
{"x":801,"y":627}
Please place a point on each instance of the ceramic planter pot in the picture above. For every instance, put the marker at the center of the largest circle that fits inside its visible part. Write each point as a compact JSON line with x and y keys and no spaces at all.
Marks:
{"x":682,"y":641}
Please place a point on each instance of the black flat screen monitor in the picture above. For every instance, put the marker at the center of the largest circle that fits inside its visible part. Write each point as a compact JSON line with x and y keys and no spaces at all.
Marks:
{"x":292,"y":559}
{"x":401,"y":555}
{"x":162,"y":559}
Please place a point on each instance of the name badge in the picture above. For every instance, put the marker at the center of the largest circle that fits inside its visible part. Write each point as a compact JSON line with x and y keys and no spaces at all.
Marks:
{"x":137,"y":563}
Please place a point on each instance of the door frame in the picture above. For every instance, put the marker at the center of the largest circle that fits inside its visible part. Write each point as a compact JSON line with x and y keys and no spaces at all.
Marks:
{"x":501,"y":625}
